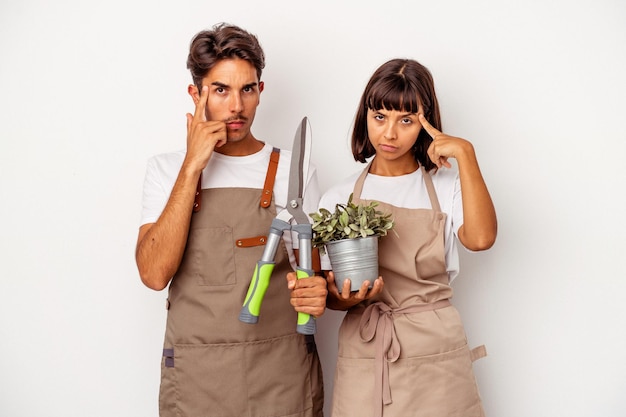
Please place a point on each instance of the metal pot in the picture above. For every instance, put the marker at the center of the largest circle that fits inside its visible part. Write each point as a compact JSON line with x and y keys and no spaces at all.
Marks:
{"x":355,"y":259}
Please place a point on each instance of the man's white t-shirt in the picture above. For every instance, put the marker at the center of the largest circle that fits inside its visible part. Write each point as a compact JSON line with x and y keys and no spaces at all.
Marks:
{"x":224,"y":171}
{"x":408,"y":191}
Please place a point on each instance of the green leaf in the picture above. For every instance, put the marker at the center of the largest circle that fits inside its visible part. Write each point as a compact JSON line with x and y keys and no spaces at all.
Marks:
{"x":349,"y":221}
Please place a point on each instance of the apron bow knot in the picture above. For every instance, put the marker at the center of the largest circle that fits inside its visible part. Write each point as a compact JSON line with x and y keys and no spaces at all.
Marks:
{"x":377,"y":319}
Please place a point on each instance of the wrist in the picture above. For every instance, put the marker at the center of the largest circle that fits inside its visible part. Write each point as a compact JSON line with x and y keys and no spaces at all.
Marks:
{"x":191,"y":169}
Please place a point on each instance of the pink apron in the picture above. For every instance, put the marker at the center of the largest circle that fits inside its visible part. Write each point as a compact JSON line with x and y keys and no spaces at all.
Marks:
{"x":406,"y":353}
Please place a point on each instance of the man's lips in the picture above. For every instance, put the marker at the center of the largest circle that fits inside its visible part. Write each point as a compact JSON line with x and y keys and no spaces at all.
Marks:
{"x":236,"y":124}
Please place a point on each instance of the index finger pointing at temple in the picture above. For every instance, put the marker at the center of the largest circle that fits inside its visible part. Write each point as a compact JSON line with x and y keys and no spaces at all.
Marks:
{"x":428,"y":127}
{"x":200,"y":114}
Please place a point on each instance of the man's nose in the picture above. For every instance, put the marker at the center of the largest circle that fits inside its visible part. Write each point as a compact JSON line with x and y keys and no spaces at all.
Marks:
{"x":236,"y":103}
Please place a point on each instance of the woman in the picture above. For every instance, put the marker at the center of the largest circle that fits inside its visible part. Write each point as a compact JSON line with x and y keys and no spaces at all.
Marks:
{"x":402,"y":346}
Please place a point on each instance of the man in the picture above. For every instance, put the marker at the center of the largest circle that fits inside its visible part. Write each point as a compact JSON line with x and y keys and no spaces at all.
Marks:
{"x":205,"y":213}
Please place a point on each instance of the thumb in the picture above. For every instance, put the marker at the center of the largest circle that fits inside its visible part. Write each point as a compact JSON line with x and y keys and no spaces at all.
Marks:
{"x":291,"y":280}
{"x":330,"y":279}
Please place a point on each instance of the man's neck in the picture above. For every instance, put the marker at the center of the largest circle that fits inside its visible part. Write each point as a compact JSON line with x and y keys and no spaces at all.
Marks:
{"x":241,"y":148}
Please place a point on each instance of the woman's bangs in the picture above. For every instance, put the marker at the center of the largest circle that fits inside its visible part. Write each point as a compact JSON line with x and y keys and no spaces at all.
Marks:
{"x":398,"y":96}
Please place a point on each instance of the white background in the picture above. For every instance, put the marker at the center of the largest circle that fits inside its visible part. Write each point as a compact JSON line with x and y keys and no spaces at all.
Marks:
{"x":90,"y":90}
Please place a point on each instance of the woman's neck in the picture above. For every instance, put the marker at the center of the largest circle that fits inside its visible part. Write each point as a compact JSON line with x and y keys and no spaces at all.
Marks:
{"x":393,"y":168}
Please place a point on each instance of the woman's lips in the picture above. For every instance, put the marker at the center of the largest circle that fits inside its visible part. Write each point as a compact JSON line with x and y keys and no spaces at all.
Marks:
{"x":388,"y":148}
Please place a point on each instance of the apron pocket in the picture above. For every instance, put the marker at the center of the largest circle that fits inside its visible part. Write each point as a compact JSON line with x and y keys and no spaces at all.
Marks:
{"x":353,"y":389}
{"x":268,"y":378}
{"x":212,"y":259}
{"x":209,"y":380}
{"x":440,"y":385}
{"x":444,"y":384}
{"x":279,"y":377}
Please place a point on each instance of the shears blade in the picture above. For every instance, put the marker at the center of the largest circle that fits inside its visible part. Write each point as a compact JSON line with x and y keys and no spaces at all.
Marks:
{"x":299,"y":171}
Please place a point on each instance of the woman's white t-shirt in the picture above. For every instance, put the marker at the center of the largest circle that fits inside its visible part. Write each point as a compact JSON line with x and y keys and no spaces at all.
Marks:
{"x":408,"y":191}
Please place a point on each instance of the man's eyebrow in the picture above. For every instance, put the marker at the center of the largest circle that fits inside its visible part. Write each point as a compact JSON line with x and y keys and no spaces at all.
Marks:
{"x":222,"y":85}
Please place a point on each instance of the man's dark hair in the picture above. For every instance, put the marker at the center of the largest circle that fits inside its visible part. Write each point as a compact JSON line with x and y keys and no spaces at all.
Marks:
{"x":223,"y":41}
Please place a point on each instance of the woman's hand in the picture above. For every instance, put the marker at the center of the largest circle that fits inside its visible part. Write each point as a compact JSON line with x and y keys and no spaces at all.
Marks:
{"x":479,"y":229}
{"x":347,"y":298}
{"x":444,"y":146}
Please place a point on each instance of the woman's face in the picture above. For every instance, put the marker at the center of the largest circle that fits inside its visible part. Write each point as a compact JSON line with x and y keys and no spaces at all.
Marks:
{"x":392,"y":133}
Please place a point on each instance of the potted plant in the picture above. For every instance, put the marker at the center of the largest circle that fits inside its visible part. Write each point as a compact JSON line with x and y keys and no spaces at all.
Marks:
{"x":350,"y":236}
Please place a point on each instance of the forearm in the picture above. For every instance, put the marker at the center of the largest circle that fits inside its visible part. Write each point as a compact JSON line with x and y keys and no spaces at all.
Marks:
{"x":479,"y":228}
{"x":161,"y":245}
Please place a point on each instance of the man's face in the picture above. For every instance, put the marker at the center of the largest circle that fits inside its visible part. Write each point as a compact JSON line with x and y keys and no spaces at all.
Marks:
{"x":234,"y":94}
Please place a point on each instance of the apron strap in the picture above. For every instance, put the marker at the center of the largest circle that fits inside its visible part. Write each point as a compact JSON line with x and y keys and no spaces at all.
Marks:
{"x":168,"y":355}
{"x":358,"y":185}
{"x":268,"y":187}
{"x":266,"y":200}
{"x":251,"y":241}
{"x":428,"y":181}
{"x":434,"y":201}
{"x":478,"y":352}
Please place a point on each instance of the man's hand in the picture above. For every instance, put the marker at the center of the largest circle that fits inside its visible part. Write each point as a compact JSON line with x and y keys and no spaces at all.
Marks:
{"x":203,"y":135}
{"x":161,"y":245}
{"x":308,"y":295}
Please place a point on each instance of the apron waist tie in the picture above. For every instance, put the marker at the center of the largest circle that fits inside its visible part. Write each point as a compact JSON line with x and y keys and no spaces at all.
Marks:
{"x":377,"y":319}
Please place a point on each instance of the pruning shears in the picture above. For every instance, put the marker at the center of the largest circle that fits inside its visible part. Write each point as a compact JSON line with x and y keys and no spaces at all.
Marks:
{"x":298,"y":174}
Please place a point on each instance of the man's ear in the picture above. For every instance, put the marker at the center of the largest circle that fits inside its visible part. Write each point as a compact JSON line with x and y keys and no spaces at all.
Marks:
{"x":261,"y":86}
{"x":194,"y":93}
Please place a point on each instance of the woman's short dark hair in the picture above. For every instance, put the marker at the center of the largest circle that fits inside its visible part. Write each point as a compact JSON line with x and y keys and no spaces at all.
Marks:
{"x":223,"y":41}
{"x":401,"y":85}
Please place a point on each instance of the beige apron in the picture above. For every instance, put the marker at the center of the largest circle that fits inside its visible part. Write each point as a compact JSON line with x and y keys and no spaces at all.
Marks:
{"x":406,"y":354}
{"x":213,"y":364}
